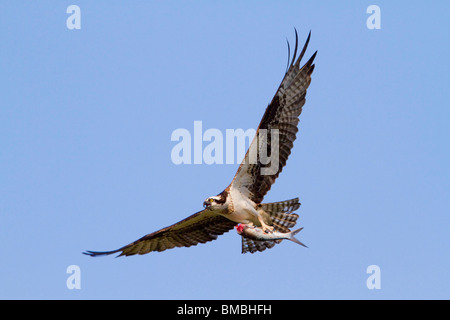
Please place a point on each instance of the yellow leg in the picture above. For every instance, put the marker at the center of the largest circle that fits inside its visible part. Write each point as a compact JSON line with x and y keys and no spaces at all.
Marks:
{"x":265,"y":227}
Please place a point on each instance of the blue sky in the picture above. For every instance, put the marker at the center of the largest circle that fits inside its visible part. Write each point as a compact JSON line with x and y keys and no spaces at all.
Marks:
{"x":86,"y":118}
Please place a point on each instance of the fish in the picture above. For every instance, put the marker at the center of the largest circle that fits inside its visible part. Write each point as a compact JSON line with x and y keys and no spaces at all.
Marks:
{"x":258,"y":234}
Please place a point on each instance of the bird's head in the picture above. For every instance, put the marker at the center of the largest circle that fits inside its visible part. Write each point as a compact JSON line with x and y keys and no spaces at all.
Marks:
{"x":216,"y":202}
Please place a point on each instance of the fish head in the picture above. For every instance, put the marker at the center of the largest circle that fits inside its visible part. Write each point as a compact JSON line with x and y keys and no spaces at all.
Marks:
{"x":240,"y":228}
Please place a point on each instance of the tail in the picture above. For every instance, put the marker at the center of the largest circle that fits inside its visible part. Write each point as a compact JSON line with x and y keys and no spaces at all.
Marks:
{"x":280,"y":215}
{"x":292,"y":238}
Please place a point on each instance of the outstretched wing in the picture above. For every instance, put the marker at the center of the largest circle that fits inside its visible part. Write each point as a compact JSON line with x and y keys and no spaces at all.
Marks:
{"x":282,"y":115}
{"x":200,"y":227}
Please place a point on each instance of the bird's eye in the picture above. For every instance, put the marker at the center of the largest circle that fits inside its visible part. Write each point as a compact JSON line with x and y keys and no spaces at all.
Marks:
{"x":211,"y":200}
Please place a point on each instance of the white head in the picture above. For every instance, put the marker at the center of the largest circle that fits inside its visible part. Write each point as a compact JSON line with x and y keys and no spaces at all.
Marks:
{"x":216,"y":202}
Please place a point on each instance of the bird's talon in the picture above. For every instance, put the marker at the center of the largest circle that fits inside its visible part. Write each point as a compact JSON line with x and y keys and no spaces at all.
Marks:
{"x":268,"y":229}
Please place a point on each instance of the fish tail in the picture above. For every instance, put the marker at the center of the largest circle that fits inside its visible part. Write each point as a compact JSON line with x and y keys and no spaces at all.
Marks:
{"x":293,"y":238}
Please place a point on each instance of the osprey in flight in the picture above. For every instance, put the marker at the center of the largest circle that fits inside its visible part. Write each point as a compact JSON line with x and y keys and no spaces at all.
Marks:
{"x":241,"y":201}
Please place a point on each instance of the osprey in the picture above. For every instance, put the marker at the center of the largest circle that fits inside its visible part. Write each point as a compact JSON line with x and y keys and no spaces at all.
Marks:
{"x":241,"y":201}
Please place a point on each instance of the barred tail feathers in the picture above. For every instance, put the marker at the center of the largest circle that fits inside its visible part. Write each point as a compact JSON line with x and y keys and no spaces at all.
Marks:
{"x":281,"y":217}
{"x":281,"y":214}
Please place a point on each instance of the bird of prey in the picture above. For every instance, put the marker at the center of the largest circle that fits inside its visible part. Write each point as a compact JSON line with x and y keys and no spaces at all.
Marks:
{"x":241,"y":201}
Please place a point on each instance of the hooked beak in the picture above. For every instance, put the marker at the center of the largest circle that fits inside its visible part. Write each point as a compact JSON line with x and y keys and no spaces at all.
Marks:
{"x":206,"y":204}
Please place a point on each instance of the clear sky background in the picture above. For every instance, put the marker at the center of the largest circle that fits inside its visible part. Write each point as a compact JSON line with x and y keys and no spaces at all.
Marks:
{"x":86,"y":118}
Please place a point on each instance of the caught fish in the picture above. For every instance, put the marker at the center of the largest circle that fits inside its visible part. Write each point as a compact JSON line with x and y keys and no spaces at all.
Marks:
{"x":257,"y":234}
